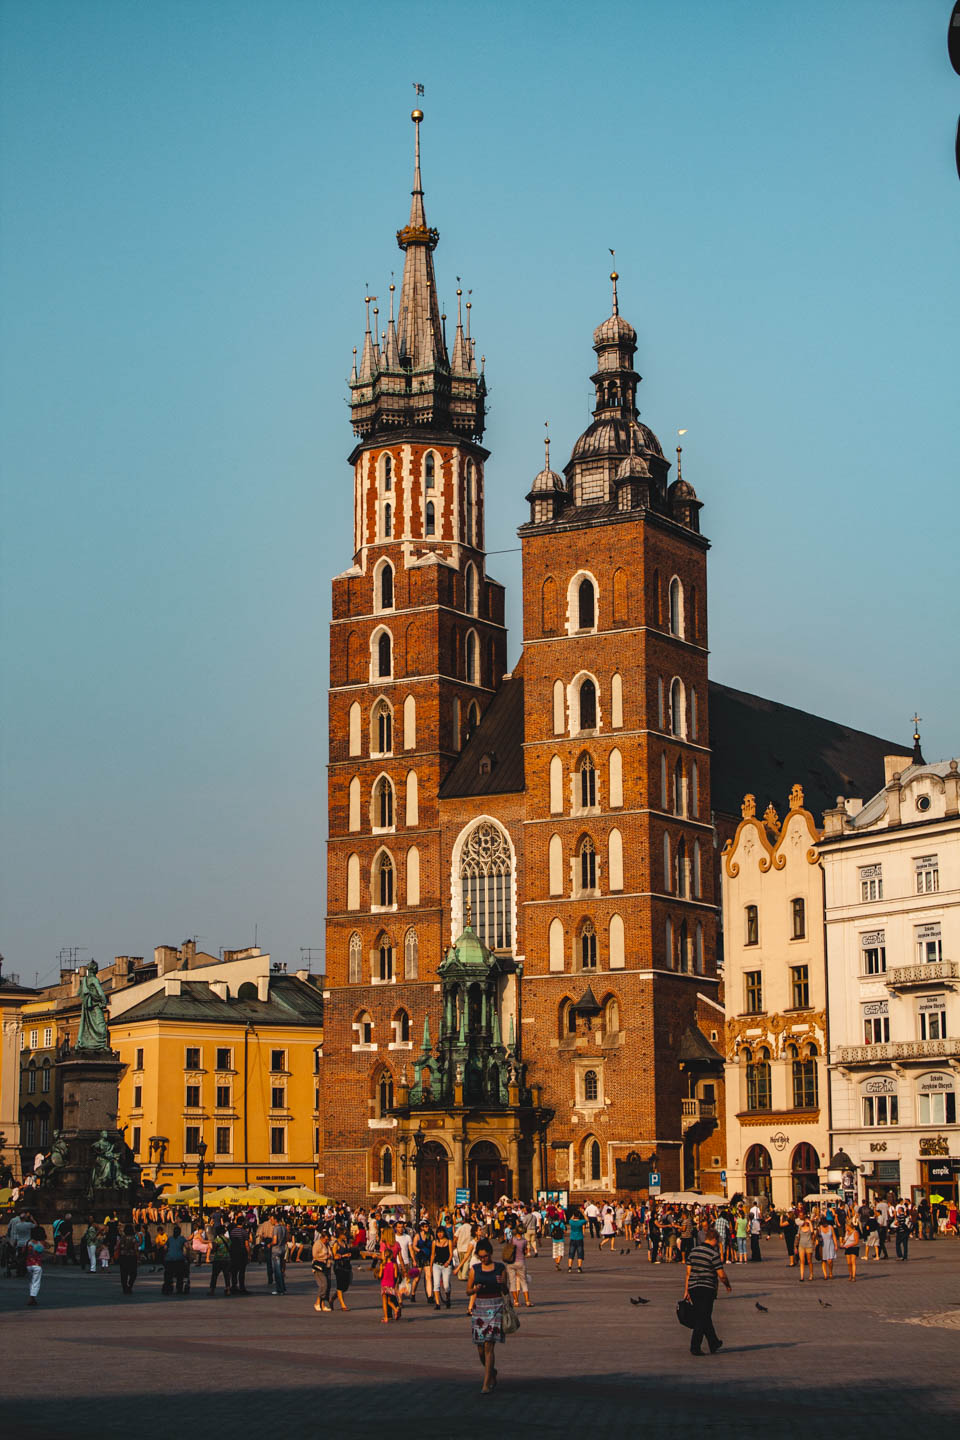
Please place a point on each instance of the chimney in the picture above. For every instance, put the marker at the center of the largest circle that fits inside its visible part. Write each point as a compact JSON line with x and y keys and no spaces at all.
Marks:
{"x":167,"y":957}
{"x":188,"y":953}
{"x":894,"y":765}
{"x":263,"y":987}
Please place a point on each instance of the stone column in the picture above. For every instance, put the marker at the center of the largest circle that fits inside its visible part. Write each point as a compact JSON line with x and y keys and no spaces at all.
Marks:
{"x":537,"y":1163}
{"x":513,"y":1154}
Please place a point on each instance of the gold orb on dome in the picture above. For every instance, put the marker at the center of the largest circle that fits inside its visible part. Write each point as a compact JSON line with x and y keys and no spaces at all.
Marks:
{"x":416,"y":115}
{"x":614,"y":275}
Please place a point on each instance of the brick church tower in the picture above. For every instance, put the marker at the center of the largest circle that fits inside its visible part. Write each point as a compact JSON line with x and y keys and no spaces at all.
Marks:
{"x":618,"y":914}
{"x":417,"y":651}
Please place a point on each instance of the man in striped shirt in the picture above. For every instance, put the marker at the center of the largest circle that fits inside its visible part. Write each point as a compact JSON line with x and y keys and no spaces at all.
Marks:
{"x":704,"y":1270}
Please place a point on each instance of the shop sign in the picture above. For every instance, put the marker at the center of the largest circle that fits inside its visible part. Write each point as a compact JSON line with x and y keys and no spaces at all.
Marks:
{"x":936,"y":1083}
{"x":876,"y":1007}
{"x":872,"y":938}
{"x":928,"y":932}
{"x":938,"y":1171}
{"x":880,"y":1086}
{"x":276,"y":1179}
{"x":932,"y":1005}
{"x":779,"y":1141}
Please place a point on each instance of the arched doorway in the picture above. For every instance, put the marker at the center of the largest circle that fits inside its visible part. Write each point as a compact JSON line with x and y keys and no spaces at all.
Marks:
{"x":804,"y":1172}
{"x":487,"y":1173}
{"x":433,"y":1176}
{"x":757,"y":1172}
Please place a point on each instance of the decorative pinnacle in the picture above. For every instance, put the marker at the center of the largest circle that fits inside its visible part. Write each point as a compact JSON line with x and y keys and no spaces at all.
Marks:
{"x":546,"y":445}
{"x":614,"y":276}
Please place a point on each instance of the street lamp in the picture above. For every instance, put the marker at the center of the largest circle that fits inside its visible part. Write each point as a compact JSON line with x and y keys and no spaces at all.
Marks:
{"x":841,"y":1171}
{"x":418,"y":1139}
{"x":202,"y":1170}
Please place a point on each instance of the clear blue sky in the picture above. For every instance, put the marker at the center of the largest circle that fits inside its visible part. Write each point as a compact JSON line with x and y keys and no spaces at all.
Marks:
{"x":194,"y":198}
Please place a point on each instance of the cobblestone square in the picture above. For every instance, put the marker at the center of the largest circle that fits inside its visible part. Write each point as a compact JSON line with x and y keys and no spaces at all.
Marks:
{"x":880,"y":1357}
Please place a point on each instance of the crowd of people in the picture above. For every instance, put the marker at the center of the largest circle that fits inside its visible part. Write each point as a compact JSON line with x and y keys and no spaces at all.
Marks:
{"x":485,"y":1246}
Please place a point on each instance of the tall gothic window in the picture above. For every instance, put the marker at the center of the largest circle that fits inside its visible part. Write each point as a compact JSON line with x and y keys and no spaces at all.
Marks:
{"x":355,"y":972}
{"x":470,"y":651}
{"x":676,"y":708}
{"x":473,"y":717}
{"x":383,"y":804}
{"x":678,"y":788}
{"x":384,"y":655}
{"x":384,"y":885}
{"x":588,"y":946}
{"x":387,"y":473}
{"x":588,"y":783}
{"x":470,"y":590}
{"x":411,"y":956}
{"x":676,"y":607}
{"x":588,"y":866}
{"x":386,"y":588}
{"x":382,"y":728}
{"x":591,"y":1086}
{"x":588,"y":705}
{"x":430,"y":528}
{"x":595,"y":1158}
{"x":586,"y":605}
{"x":758,"y":1079}
{"x":385,"y":1093}
{"x":429,"y":472}
{"x":680,"y":868}
{"x":387,"y":521}
{"x":384,"y":958}
{"x":485,"y":883}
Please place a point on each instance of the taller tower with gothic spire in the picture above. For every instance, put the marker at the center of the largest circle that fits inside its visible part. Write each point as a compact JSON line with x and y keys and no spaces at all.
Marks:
{"x":417,"y":652}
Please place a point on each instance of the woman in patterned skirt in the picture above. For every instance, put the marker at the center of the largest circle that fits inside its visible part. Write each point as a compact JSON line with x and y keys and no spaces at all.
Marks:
{"x":487,"y":1288}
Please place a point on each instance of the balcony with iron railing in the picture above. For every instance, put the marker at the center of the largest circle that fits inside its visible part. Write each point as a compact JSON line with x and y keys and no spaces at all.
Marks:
{"x":915,"y":977}
{"x":897,"y":1050}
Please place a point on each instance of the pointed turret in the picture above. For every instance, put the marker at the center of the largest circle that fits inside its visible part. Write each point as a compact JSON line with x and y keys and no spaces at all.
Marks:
{"x":409,"y":383}
{"x":460,"y":360}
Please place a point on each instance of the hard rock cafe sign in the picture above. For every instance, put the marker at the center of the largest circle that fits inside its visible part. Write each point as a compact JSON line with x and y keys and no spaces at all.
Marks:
{"x":779,"y":1141}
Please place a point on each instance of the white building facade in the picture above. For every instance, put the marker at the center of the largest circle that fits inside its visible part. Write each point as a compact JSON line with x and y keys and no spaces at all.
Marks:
{"x":892,"y":891}
{"x":775,"y":1000}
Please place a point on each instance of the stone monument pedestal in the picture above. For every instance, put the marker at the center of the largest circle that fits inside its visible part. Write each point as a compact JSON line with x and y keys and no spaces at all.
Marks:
{"x":89,"y":1086}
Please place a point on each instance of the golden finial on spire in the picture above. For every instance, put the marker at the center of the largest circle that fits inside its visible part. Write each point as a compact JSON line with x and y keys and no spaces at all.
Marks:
{"x":546,"y":444}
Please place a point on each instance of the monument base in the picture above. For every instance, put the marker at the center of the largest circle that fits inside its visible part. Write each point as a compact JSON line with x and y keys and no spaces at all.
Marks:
{"x":89,"y":1086}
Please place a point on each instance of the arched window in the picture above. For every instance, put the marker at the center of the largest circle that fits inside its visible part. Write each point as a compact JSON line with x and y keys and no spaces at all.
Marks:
{"x":354,"y":804}
{"x":591,"y":1087}
{"x":611,"y":1016}
{"x":355,"y":972}
{"x":694,"y":789}
{"x":383,"y":804}
{"x":594,"y":1155}
{"x":695,"y":877}
{"x":384,"y":958}
{"x":430,"y":522}
{"x":384,"y":880}
{"x":758,"y":1081}
{"x":588,"y":946}
{"x":680,"y":867}
{"x":384,"y":1094}
{"x":354,"y":726}
{"x":401,"y":1027}
{"x":384,"y":656}
{"x":798,"y":917}
{"x":387,"y":521}
{"x":757,"y":1172}
{"x":386,"y":586}
{"x":471,"y":658}
{"x":429,"y":472}
{"x":381,"y":728}
{"x":486,"y":879}
{"x":588,"y":704}
{"x":470,"y":590}
{"x":694,"y":722}
{"x":412,"y":809}
{"x":667,"y":875}
{"x":804,"y":1172}
{"x":676,"y":607}
{"x":409,"y":723}
{"x":588,"y":865}
{"x":676,"y":708}
{"x":566,"y":1018}
{"x":473,"y":717}
{"x":363,"y":1028}
{"x":387,"y":472}
{"x":668,"y":941}
{"x":751,"y":916}
{"x":664,"y":797}
{"x":699,"y":950}
{"x":588,"y":783}
{"x":805,"y":1089}
{"x":678,"y":787}
{"x":586,"y":605}
{"x":455,"y":722}
{"x":615,"y":860}
{"x":386,"y":1166}
{"x":660,"y":707}
{"x":411,"y":956}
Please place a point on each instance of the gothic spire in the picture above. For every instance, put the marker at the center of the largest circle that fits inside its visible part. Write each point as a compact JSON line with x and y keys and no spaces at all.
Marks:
{"x":420,"y":331}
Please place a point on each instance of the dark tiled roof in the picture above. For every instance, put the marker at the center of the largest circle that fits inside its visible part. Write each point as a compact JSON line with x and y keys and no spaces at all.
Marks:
{"x":763,"y":748}
{"x":292,"y":1002}
{"x":694,"y":1046}
{"x":499,"y":735}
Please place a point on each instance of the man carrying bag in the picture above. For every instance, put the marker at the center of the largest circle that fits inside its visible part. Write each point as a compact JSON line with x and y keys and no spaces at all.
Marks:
{"x":704,"y":1270}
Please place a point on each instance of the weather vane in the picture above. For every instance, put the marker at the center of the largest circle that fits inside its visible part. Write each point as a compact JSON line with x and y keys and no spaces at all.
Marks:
{"x":417,"y":89}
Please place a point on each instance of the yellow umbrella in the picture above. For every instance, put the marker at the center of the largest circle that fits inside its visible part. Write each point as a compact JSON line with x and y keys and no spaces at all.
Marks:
{"x":182,"y":1197}
{"x":302,"y":1194}
{"x":257,"y":1195}
{"x":6,"y":1195}
{"x":226,"y":1195}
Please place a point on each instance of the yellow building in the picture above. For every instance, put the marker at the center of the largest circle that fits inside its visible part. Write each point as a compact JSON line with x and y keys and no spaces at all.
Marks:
{"x":225,"y":1054}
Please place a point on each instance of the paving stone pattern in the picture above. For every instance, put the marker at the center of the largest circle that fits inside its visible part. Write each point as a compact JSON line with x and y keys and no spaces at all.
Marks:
{"x":882,"y":1359}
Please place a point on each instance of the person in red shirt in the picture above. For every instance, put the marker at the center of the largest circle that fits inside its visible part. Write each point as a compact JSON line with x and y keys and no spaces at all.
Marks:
{"x":34,"y":1257}
{"x":389,"y":1274}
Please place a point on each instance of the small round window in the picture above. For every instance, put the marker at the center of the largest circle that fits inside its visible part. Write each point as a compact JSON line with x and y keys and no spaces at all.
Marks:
{"x":923,"y":802}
